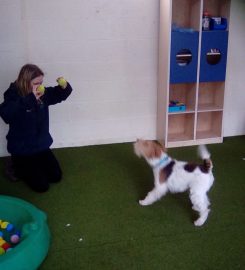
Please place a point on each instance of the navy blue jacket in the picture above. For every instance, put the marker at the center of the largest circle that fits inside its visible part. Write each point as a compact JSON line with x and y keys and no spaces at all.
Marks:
{"x":28,"y":119}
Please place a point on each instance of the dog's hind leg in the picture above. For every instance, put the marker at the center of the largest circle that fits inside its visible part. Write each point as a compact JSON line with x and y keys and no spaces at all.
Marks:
{"x":154,"y":195}
{"x":203,"y":217}
{"x":200,"y":204}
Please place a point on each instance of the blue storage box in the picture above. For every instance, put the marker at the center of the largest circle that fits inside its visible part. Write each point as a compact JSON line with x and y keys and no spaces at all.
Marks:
{"x":216,"y":26}
{"x":176,"y":106}
{"x":213,"y":56}
{"x":183,"y":44}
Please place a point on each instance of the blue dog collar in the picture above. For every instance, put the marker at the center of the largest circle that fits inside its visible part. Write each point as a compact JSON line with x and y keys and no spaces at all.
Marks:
{"x":163,"y":161}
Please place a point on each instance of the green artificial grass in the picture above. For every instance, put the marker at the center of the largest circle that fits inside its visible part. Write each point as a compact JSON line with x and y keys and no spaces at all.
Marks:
{"x":108,"y":229}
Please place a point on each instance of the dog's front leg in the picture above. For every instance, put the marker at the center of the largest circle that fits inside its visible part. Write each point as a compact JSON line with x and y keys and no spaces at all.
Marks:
{"x":154,"y":195}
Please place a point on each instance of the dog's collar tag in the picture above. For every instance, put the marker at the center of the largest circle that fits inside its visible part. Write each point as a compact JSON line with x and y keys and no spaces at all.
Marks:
{"x":163,"y":161}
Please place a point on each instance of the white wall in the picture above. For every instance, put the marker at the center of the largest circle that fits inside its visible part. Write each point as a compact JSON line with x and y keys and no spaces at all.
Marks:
{"x":12,"y":51}
{"x":234,"y":117}
{"x":108,"y":50}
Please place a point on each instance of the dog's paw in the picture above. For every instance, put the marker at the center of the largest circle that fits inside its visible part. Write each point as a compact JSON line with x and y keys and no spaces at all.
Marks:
{"x":142,"y":202}
{"x":199,"y":222}
{"x":202,"y":219}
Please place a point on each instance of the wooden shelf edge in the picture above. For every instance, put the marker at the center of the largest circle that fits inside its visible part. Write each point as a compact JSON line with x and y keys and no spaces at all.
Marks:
{"x":194,"y":142}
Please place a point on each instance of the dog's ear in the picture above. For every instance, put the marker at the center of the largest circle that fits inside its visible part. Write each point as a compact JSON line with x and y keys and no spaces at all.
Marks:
{"x":156,"y":150}
{"x":162,"y":146}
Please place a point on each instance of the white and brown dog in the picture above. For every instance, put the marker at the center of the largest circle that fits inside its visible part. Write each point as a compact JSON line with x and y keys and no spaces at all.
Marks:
{"x":178,"y":176}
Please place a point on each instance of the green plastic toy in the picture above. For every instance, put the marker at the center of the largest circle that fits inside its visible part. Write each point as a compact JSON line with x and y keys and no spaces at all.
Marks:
{"x":35,"y":234}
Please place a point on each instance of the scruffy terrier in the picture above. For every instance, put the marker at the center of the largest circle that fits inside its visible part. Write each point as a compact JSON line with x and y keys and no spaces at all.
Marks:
{"x":178,"y":176}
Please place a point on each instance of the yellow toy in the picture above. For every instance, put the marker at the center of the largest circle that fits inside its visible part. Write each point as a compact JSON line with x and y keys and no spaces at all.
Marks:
{"x":62,"y":82}
{"x":41,"y":89}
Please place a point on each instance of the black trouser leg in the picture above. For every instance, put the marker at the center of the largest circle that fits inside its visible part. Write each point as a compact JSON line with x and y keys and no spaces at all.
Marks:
{"x":50,"y":166}
{"x":38,"y":170}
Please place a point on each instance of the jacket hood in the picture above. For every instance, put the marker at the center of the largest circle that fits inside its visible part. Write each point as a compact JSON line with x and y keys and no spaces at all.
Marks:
{"x":11,"y":91}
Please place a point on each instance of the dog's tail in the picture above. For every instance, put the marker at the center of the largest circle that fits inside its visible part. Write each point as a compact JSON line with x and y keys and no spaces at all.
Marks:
{"x":203,"y":152}
{"x":205,"y":156}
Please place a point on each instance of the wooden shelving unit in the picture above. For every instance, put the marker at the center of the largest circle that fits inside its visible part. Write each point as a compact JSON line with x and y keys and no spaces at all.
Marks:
{"x":193,"y":74}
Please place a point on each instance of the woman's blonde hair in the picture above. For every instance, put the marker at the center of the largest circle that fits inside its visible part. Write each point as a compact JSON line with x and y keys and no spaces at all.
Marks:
{"x":27,"y":73}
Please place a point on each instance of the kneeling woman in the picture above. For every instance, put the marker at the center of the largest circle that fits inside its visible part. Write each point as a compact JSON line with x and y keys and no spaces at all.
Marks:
{"x":26,"y":110}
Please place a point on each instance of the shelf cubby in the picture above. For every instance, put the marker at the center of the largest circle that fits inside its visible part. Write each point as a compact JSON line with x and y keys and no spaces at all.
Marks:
{"x":217,"y":8}
{"x":211,"y":96}
{"x":209,"y":125}
{"x":189,"y":15}
{"x":181,"y":127}
{"x":184,"y":93}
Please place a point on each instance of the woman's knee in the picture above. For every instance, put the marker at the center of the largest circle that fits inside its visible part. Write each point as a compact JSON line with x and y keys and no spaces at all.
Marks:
{"x":55,"y":177}
{"x":38,"y":186}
